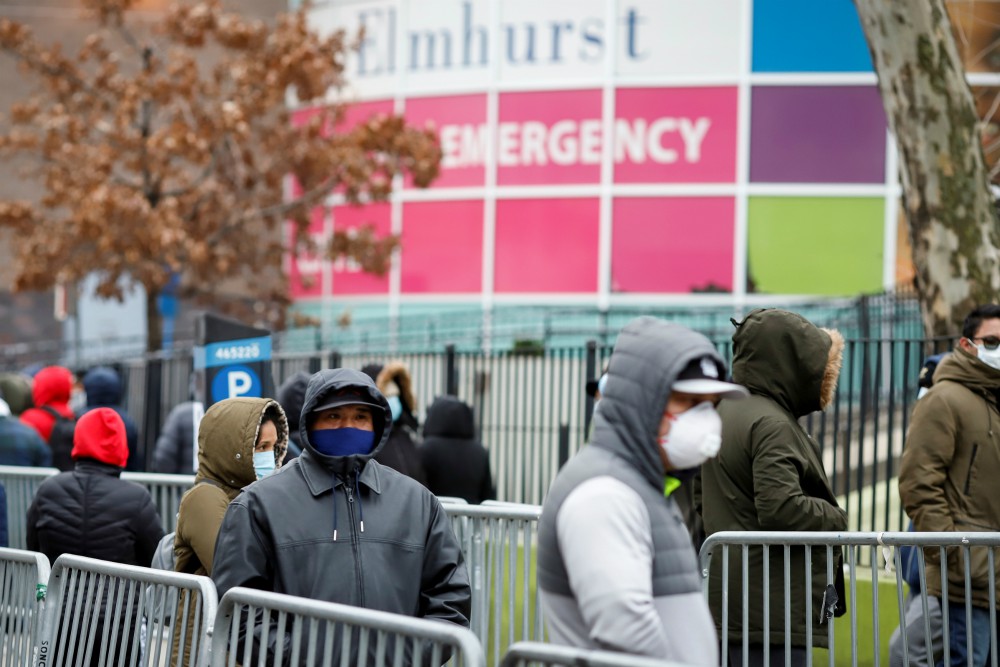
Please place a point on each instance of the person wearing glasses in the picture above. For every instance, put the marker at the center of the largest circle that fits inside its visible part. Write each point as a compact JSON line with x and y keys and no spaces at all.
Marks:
{"x":949,"y":471}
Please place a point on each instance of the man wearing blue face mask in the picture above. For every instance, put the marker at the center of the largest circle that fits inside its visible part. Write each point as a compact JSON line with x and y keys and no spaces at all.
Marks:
{"x":357,"y":532}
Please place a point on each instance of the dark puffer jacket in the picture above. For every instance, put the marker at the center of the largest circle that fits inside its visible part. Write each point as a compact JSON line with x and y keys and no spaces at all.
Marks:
{"x":344,"y":529}
{"x":455,"y":462}
{"x":400,"y":451}
{"x":104,"y":390}
{"x":91,"y":512}
{"x":291,"y":396}
{"x":769,"y":474}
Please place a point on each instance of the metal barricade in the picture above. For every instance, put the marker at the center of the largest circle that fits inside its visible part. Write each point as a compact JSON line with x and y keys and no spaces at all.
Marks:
{"x":21,"y":483}
{"x":529,"y":654}
{"x":23,"y":578}
{"x":498,"y":542}
{"x":322,"y":634}
{"x":166,"y":491}
{"x":107,"y":613}
{"x":763,"y":620}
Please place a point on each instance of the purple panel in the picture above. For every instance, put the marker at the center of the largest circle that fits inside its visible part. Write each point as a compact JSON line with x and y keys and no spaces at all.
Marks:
{"x":817,"y":134}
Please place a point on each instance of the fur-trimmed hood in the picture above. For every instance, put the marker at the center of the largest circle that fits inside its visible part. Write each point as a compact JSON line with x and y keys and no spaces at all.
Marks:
{"x":787,"y":358}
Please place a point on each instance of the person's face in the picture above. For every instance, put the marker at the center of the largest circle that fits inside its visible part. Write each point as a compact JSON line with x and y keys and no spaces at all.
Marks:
{"x":345,"y":416}
{"x":267,"y":438}
{"x":677,"y":404}
{"x":988,"y":334}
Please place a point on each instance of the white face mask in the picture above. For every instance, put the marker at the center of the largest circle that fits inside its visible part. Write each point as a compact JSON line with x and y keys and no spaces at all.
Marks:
{"x":695,"y":436}
{"x":989,"y":357}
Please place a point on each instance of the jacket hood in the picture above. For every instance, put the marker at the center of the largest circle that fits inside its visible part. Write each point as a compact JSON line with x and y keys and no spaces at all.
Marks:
{"x":291,"y":395}
{"x":449,"y":417}
{"x":326,"y":381}
{"x":226,"y":438}
{"x":966,"y":369}
{"x":53,"y":385}
{"x":16,"y":390}
{"x":103,"y":386}
{"x":785,"y":357}
{"x":648,"y":357}
{"x":100,"y":435}
{"x":394,"y":379}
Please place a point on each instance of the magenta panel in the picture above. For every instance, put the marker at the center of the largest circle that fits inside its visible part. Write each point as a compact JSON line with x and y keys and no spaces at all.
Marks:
{"x":305,"y":273}
{"x":460,"y":121}
{"x":672,"y":244}
{"x":442,"y":247}
{"x":675,"y":135}
{"x":546,"y":245}
{"x":348,"y":278}
{"x":549,"y":138}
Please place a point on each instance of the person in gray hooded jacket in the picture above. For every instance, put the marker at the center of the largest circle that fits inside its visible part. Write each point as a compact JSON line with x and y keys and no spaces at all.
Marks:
{"x":335,"y":525}
{"x":616,"y":567}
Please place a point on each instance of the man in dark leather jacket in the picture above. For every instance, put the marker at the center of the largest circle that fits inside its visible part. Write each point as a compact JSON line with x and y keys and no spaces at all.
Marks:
{"x":337,"y":526}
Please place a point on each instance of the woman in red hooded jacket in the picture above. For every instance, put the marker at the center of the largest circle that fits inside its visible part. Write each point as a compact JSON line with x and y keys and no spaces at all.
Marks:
{"x":51,"y":389}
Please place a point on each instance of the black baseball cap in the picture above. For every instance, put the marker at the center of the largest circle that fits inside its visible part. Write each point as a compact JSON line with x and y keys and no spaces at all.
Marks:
{"x":703,"y":376}
{"x":346,"y":396}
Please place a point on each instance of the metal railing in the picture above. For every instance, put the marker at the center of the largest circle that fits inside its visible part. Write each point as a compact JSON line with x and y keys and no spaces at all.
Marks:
{"x":23,"y":579}
{"x":530,"y":654}
{"x":498,"y":542}
{"x":745,"y":619}
{"x":22,"y":483}
{"x":107,"y":612}
{"x":322,"y":634}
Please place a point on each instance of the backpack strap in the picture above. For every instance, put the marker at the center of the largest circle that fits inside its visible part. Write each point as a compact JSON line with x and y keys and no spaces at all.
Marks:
{"x":53,"y":412}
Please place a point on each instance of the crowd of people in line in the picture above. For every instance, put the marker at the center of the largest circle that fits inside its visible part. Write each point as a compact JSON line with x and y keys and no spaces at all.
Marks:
{"x":326,"y":494}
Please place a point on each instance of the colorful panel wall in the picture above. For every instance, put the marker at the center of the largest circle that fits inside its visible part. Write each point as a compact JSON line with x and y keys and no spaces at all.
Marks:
{"x":690,"y":148}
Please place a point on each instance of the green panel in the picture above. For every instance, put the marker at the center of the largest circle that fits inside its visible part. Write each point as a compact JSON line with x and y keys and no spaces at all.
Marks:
{"x":815,"y":245}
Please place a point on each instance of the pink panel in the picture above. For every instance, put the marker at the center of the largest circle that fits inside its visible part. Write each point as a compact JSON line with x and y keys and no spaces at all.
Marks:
{"x":549,"y":137}
{"x":305,"y":274}
{"x":546,"y":245}
{"x":461,"y":124}
{"x":672,"y":244}
{"x":442,"y":247}
{"x":348,"y":278}
{"x":675,"y":135}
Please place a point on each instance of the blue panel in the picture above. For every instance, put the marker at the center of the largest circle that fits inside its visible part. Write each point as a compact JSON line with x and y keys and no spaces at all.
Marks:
{"x":808,"y":36}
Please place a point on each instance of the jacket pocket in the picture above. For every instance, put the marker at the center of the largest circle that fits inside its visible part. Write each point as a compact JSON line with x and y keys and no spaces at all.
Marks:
{"x":972,"y":462}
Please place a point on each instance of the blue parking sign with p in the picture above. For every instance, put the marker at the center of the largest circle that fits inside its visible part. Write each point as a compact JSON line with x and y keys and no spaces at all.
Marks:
{"x":235,"y":381}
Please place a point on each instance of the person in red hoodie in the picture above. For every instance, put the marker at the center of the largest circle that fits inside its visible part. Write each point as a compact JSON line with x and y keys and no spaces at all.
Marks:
{"x":51,"y":389}
{"x":92,"y":512}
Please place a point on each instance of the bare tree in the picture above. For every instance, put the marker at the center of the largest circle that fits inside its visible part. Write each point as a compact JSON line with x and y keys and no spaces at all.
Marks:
{"x":168,"y":153}
{"x":953,"y":223}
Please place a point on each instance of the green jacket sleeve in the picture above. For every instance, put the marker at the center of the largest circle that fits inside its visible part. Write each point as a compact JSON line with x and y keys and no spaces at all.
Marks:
{"x":201,"y":515}
{"x":781,"y":477}
{"x":927,"y":457}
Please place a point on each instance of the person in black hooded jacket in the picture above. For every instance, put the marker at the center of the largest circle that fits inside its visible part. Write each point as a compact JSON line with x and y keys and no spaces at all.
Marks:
{"x":90,"y":511}
{"x":291,"y":396}
{"x":455,"y":462}
{"x":104,"y":390}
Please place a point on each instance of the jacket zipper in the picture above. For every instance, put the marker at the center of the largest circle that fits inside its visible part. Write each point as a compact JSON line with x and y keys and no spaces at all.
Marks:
{"x":972,"y":461}
{"x":354,"y":544}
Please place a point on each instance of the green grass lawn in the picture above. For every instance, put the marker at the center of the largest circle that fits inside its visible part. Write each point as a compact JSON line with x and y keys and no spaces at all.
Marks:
{"x":888,"y":615}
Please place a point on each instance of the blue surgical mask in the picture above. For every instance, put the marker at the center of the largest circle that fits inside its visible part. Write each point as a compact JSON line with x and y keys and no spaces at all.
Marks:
{"x":263,"y":463}
{"x":342,"y":441}
{"x":396,"y":406}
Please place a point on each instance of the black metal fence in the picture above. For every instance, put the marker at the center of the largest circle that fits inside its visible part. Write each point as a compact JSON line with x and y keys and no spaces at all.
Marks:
{"x":532,"y":411}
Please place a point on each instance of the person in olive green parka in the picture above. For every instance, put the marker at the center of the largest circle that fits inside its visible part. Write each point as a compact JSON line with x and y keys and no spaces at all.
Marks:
{"x":769,"y":476}
{"x":229,"y":435}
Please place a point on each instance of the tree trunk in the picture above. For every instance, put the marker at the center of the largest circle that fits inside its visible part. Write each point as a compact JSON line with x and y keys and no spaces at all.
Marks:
{"x":154,"y":320}
{"x":953,"y":223}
